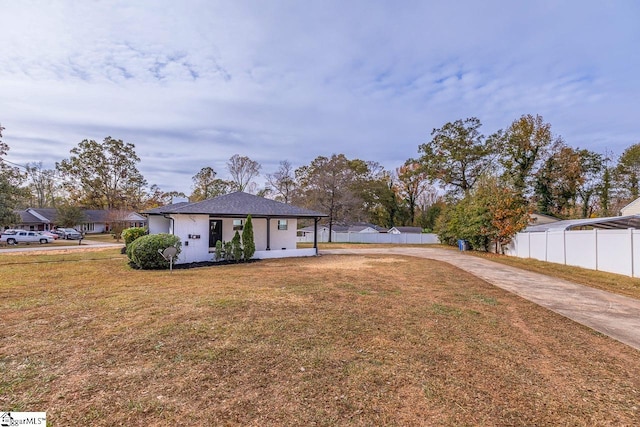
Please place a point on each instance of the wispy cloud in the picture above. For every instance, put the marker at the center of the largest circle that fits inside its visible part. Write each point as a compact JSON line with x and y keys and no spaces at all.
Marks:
{"x":192,"y":83}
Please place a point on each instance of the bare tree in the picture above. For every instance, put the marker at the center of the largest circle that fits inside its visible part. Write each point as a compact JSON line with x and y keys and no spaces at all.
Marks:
{"x":42,"y":184}
{"x":242,"y":170}
{"x":282,"y":182}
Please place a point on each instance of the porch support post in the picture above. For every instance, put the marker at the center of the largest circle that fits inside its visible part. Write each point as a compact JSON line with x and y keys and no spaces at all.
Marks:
{"x":315,"y":234}
{"x":268,"y":233}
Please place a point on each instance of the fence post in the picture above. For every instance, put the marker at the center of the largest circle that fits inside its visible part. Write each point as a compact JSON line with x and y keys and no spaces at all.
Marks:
{"x":546,"y":245}
{"x":631,"y":235}
{"x":595,"y":232}
{"x":564,"y":245}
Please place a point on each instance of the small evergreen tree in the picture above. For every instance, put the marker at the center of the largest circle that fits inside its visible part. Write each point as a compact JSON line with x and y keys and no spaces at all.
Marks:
{"x":236,"y":247}
{"x":227,"y":251}
{"x":69,"y":216}
{"x":218,"y":254}
{"x":247,"y":239}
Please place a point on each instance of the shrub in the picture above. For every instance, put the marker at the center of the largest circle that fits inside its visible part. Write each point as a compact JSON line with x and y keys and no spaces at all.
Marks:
{"x":132,"y":233}
{"x":227,"y":251}
{"x":236,"y":247}
{"x":143,"y":252}
{"x":218,"y":254}
{"x":247,"y":239}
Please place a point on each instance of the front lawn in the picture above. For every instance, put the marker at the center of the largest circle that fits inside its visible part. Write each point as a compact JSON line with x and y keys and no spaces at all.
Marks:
{"x":332,"y":340}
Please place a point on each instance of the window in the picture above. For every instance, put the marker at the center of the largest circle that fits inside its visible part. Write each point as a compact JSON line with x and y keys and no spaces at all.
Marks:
{"x":282,"y":224}
{"x":237,"y":224}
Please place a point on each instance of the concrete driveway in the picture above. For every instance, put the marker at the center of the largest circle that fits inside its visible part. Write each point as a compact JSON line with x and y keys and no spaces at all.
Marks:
{"x":614,"y":315}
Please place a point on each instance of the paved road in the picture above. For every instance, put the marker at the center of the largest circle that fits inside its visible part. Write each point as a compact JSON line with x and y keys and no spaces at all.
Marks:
{"x":614,"y":315}
{"x":36,"y":247}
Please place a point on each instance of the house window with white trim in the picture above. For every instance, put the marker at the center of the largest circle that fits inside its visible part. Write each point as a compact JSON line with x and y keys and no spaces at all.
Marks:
{"x":237,"y":224}
{"x":282,"y":224}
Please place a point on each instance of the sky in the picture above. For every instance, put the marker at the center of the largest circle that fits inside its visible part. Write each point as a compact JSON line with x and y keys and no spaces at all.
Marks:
{"x":191,"y":83}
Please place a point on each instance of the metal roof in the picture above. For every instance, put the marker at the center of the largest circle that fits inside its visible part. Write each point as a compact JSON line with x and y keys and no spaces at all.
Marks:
{"x":237,"y":204}
{"x":609,"y":223}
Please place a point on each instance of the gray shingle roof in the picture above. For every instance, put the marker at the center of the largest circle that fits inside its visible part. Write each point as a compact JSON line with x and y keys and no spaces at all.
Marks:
{"x":27,"y":218}
{"x":237,"y":204}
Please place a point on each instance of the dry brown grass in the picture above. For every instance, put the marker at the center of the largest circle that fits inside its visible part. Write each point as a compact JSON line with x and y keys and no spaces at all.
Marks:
{"x":334,"y":340}
{"x":615,"y":283}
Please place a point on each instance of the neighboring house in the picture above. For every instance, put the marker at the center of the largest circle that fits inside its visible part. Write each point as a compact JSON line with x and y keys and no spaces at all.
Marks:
{"x":307,"y":234}
{"x":632,"y":208}
{"x":102,"y":221}
{"x":200,"y":225}
{"x":96,"y":221}
{"x":540,"y":219}
{"x":405,"y":230}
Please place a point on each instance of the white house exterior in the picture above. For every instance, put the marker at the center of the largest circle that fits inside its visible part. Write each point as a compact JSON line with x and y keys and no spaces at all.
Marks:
{"x":632,"y":208}
{"x":200,"y":225}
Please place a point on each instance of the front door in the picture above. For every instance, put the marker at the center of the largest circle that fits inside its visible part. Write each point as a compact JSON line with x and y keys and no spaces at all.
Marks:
{"x":215,"y":232}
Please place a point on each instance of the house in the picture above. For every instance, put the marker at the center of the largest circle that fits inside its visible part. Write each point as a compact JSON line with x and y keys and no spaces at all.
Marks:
{"x":201,"y":224}
{"x":338,"y":231}
{"x":540,"y":219}
{"x":632,"y":208}
{"x":96,"y":220}
{"x":405,"y":230}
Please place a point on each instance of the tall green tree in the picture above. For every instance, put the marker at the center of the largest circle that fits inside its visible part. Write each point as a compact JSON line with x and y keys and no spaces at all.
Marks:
{"x":523,"y":147}
{"x":207,"y":186}
{"x":457,"y":155}
{"x":558,"y":181}
{"x":491,"y":213}
{"x":592,"y":168}
{"x":411,"y":184}
{"x":69,"y":215}
{"x":627,"y":172}
{"x":604,"y":192}
{"x":103,"y":175}
{"x":338,"y":187}
{"x":387,"y":212}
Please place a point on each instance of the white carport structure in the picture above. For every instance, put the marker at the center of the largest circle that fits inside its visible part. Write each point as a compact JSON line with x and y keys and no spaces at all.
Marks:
{"x":609,"y":244}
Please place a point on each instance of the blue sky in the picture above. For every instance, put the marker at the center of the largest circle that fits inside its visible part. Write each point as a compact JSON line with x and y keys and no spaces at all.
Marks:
{"x":191,"y":83}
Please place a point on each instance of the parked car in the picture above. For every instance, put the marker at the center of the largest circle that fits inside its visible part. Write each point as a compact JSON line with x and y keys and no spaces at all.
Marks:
{"x":69,"y":233}
{"x":57,"y":233}
{"x":13,"y":237}
{"x":50,"y":234}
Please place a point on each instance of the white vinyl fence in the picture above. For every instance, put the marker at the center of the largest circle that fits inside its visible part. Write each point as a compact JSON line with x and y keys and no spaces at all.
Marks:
{"x":424,"y":238}
{"x":614,"y":251}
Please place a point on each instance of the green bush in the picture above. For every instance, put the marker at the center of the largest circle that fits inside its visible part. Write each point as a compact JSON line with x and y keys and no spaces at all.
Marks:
{"x":248,"y":243}
{"x":132,"y":233}
{"x":143,"y":252}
